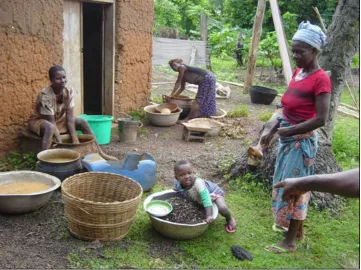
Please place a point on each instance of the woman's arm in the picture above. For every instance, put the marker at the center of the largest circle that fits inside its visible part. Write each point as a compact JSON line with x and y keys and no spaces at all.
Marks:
{"x":322,"y":105}
{"x":179,"y":83}
{"x":345,"y":183}
{"x":70,"y":122}
{"x":183,"y":86}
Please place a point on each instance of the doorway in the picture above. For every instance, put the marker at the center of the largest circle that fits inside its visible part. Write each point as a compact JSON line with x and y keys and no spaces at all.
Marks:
{"x":93,"y":30}
{"x":89,"y":54}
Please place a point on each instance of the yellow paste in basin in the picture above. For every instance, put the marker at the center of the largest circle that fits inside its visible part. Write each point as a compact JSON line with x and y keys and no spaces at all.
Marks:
{"x":23,"y":188}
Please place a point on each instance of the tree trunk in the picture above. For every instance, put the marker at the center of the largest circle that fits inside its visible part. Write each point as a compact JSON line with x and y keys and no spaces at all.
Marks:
{"x":343,"y":35}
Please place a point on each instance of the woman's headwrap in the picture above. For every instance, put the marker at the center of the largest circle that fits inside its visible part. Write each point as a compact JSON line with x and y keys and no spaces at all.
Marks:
{"x":176,"y":60}
{"x":311,"y":34}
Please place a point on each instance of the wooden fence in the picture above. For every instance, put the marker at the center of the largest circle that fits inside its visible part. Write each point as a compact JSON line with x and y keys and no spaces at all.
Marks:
{"x":165,"y":49}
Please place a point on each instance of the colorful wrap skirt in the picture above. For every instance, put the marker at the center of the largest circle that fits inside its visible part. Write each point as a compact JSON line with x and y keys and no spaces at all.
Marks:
{"x":295,"y":158}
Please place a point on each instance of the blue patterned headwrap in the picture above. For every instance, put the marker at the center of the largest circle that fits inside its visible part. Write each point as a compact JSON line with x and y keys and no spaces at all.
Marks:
{"x":311,"y":34}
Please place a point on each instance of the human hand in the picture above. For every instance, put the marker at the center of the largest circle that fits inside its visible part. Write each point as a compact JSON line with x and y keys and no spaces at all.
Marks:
{"x":285,"y":131}
{"x":209,"y":219}
{"x":266,"y":140}
{"x":290,"y":190}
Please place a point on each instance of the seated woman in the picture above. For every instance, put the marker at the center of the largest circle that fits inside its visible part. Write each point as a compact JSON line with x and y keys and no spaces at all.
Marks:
{"x":53,"y":114}
{"x":204,"y":104}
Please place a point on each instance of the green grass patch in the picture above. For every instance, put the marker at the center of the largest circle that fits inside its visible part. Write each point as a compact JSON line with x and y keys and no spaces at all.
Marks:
{"x":157,"y":99}
{"x":346,"y":142}
{"x":165,"y":69}
{"x":347,"y":98}
{"x":332,"y":241}
{"x":14,"y":161}
{"x":138,"y":115}
{"x":265,"y":116}
{"x":238,"y":111}
{"x":226,"y":69}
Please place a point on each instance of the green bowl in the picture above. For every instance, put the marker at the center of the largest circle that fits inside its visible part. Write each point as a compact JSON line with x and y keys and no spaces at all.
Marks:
{"x":159,"y":208}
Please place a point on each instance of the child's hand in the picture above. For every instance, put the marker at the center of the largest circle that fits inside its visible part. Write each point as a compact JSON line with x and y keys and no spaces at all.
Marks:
{"x":209,"y":219}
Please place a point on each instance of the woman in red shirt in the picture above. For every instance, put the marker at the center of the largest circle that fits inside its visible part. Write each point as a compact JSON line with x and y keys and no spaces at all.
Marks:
{"x":305,"y":108}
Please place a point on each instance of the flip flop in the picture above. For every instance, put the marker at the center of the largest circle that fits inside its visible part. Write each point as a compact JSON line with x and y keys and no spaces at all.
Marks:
{"x":277,"y":228}
{"x":282,"y":230}
{"x":279,"y":250}
{"x":231,"y":228}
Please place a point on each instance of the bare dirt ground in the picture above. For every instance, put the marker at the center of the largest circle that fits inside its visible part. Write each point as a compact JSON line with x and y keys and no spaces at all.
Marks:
{"x":41,"y":239}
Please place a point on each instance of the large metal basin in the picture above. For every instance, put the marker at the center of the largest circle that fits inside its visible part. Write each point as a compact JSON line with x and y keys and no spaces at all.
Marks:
{"x":24,"y":203}
{"x":161,"y":120}
{"x":175,"y":230}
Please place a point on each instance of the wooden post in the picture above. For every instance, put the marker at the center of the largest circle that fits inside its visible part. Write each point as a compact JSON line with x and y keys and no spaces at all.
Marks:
{"x":282,"y":41}
{"x":204,"y":32}
{"x":204,"y":36}
{"x":256,"y":36}
{"x":320,"y":19}
{"x":193,"y":56}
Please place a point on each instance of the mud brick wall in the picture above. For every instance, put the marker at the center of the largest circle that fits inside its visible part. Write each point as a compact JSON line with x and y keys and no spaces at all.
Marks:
{"x":31,"y":40}
{"x":133,"y":54}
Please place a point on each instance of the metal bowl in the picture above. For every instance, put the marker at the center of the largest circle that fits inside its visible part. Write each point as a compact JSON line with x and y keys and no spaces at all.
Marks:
{"x":175,"y":230}
{"x":161,"y":120}
{"x":24,"y":203}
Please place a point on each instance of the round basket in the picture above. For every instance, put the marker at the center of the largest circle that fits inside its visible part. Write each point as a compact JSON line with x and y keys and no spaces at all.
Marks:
{"x":262,"y":95}
{"x":100,"y":205}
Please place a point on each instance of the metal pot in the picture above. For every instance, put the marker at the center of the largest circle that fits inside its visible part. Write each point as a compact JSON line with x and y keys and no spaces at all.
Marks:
{"x":24,"y":203}
{"x":175,"y":230}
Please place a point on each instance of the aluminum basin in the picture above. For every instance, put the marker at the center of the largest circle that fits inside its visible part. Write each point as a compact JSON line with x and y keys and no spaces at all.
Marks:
{"x":175,"y":230}
{"x":24,"y":203}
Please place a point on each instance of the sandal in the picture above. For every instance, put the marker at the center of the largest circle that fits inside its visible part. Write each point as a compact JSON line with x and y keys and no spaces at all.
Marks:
{"x":232,"y":227}
{"x":278,"y":250}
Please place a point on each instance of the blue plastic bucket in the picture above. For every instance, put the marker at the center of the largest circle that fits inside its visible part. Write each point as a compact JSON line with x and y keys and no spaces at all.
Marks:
{"x":101,"y":125}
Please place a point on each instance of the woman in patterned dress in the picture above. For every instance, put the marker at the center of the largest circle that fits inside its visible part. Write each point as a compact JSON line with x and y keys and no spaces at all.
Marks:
{"x":305,"y":108}
{"x":204,"y":104}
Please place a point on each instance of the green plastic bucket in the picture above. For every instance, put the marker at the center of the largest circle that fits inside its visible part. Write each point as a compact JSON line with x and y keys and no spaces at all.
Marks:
{"x":101,"y":125}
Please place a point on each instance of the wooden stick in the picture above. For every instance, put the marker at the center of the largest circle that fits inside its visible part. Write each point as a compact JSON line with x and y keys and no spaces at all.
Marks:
{"x":320,"y":19}
{"x":256,"y":36}
{"x":352,"y":95}
{"x":160,"y":83}
{"x":234,"y":83}
{"x":193,"y":56}
{"x":282,"y":41}
{"x":349,"y":106}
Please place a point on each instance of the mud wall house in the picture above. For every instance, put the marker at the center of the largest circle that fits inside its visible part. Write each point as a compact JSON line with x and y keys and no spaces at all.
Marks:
{"x":104,"y":45}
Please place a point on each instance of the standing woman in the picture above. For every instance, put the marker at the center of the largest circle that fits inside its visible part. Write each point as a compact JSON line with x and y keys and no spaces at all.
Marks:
{"x":305,"y":108}
{"x":204,"y":104}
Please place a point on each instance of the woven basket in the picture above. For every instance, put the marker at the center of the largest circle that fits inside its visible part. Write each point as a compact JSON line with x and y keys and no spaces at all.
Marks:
{"x":100,"y":205}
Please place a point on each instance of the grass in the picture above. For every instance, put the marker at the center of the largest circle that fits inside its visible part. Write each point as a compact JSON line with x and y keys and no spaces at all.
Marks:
{"x":346,"y":96}
{"x":238,"y":111}
{"x":14,"y":161}
{"x":265,"y":116}
{"x":332,"y":242}
{"x":157,"y":99}
{"x":346,"y":142}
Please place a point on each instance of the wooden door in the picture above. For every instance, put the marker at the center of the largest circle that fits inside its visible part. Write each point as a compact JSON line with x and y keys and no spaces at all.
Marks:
{"x":72,"y":45}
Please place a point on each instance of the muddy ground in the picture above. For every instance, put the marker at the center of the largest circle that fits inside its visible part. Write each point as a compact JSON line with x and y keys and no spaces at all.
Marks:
{"x":41,"y":239}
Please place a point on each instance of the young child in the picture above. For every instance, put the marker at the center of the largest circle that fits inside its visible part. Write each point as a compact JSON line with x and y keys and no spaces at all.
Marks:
{"x":203,"y":192}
